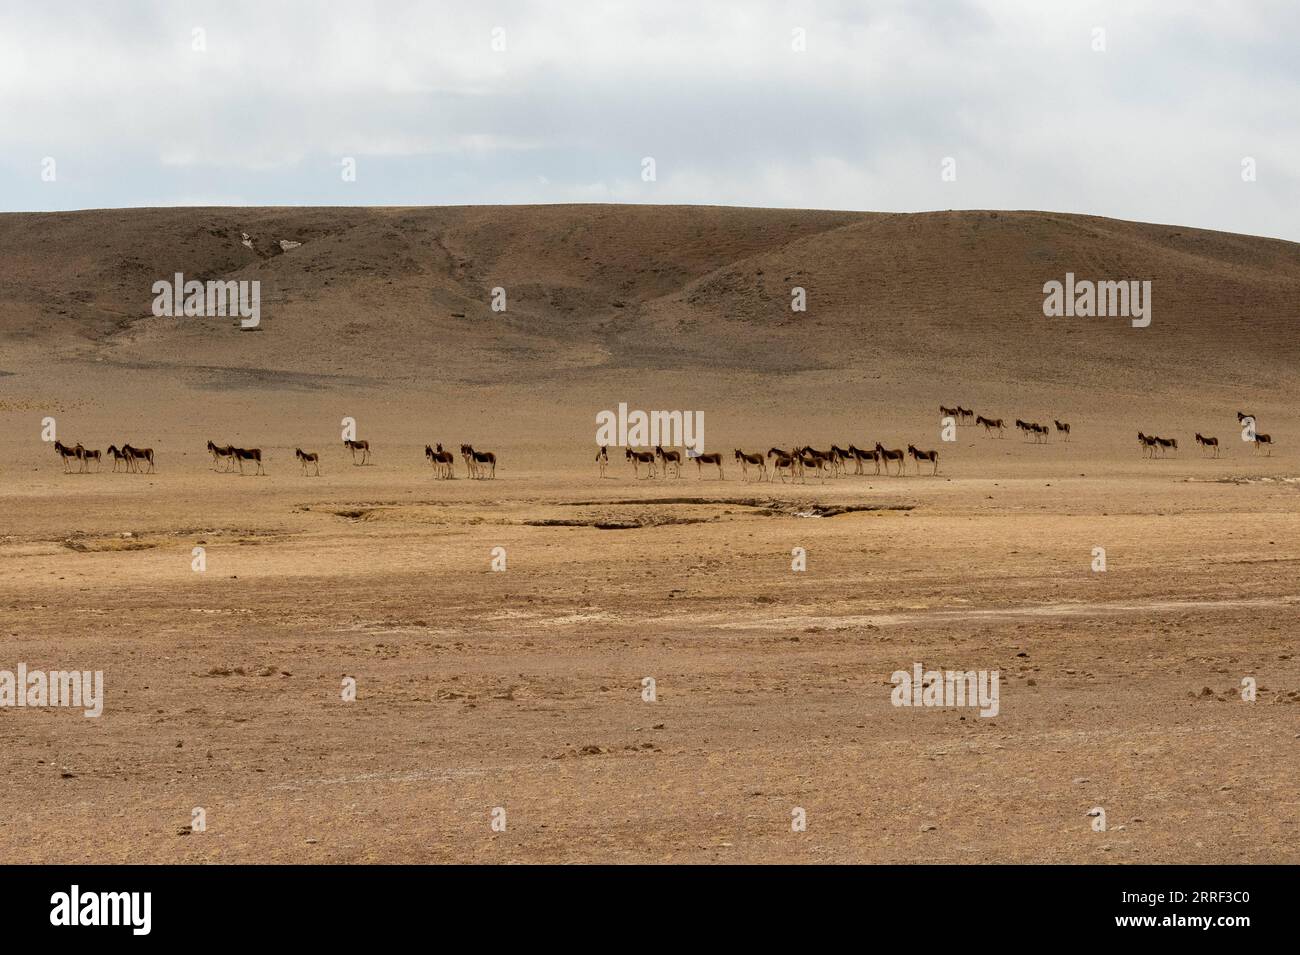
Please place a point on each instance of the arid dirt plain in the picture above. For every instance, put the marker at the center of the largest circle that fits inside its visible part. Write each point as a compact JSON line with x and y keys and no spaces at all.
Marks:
{"x":522,"y":689}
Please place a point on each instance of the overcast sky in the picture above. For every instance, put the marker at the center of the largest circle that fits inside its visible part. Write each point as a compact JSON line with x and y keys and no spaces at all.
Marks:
{"x":1155,"y":127}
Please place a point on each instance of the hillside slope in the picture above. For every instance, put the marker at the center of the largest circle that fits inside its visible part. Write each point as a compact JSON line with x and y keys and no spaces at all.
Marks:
{"x":606,"y":294}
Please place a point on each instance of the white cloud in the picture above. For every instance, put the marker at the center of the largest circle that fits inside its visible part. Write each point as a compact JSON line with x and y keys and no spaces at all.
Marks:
{"x":1153,"y":128}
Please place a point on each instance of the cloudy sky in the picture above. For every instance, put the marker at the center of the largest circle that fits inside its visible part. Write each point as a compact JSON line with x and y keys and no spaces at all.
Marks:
{"x":263,"y":105}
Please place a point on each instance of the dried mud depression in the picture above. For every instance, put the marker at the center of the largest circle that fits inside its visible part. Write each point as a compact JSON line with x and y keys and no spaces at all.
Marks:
{"x":522,"y":688}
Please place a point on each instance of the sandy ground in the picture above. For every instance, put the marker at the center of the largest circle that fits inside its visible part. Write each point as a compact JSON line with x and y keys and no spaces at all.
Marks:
{"x":522,"y":689}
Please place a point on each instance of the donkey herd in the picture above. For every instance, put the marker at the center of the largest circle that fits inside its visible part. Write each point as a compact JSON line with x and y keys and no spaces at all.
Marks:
{"x":793,"y":465}
{"x":227,"y":457}
{"x":132,"y":458}
{"x":1153,"y":446}
{"x":796,"y":463}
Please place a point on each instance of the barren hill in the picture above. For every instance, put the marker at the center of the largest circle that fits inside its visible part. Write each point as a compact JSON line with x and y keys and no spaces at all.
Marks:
{"x":1121,"y":682}
{"x":646,"y":286}
{"x":674,"y":306}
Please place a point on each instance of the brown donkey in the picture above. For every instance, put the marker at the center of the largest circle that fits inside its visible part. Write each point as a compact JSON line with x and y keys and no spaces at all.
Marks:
{"x":783,"y":463}
{"x":355,"y":446}
{"x":887,"y":455}
{"x":918,"y":456}
{"x":818,"y":460}
{"x":249,"y":454}
{"x":88,"y":456}
{"x":811,"y":460}
{"x":443,"y":461}
{"x":479,"y":461}
{"x":673,"y":458}
{"x":117,"y":456}
{"x":221,"y":454}
{"x":747,"y":459}
{"x":135,"y":455}
{"x":713,"y":457}
{"x":639,"y":458}
{"x":66,"y":452}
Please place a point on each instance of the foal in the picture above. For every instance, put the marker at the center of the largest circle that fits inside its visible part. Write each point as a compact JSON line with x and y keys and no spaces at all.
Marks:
{"x":117,"y":456}
{"x":307,"y":457}
{"x":747,"y":459}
